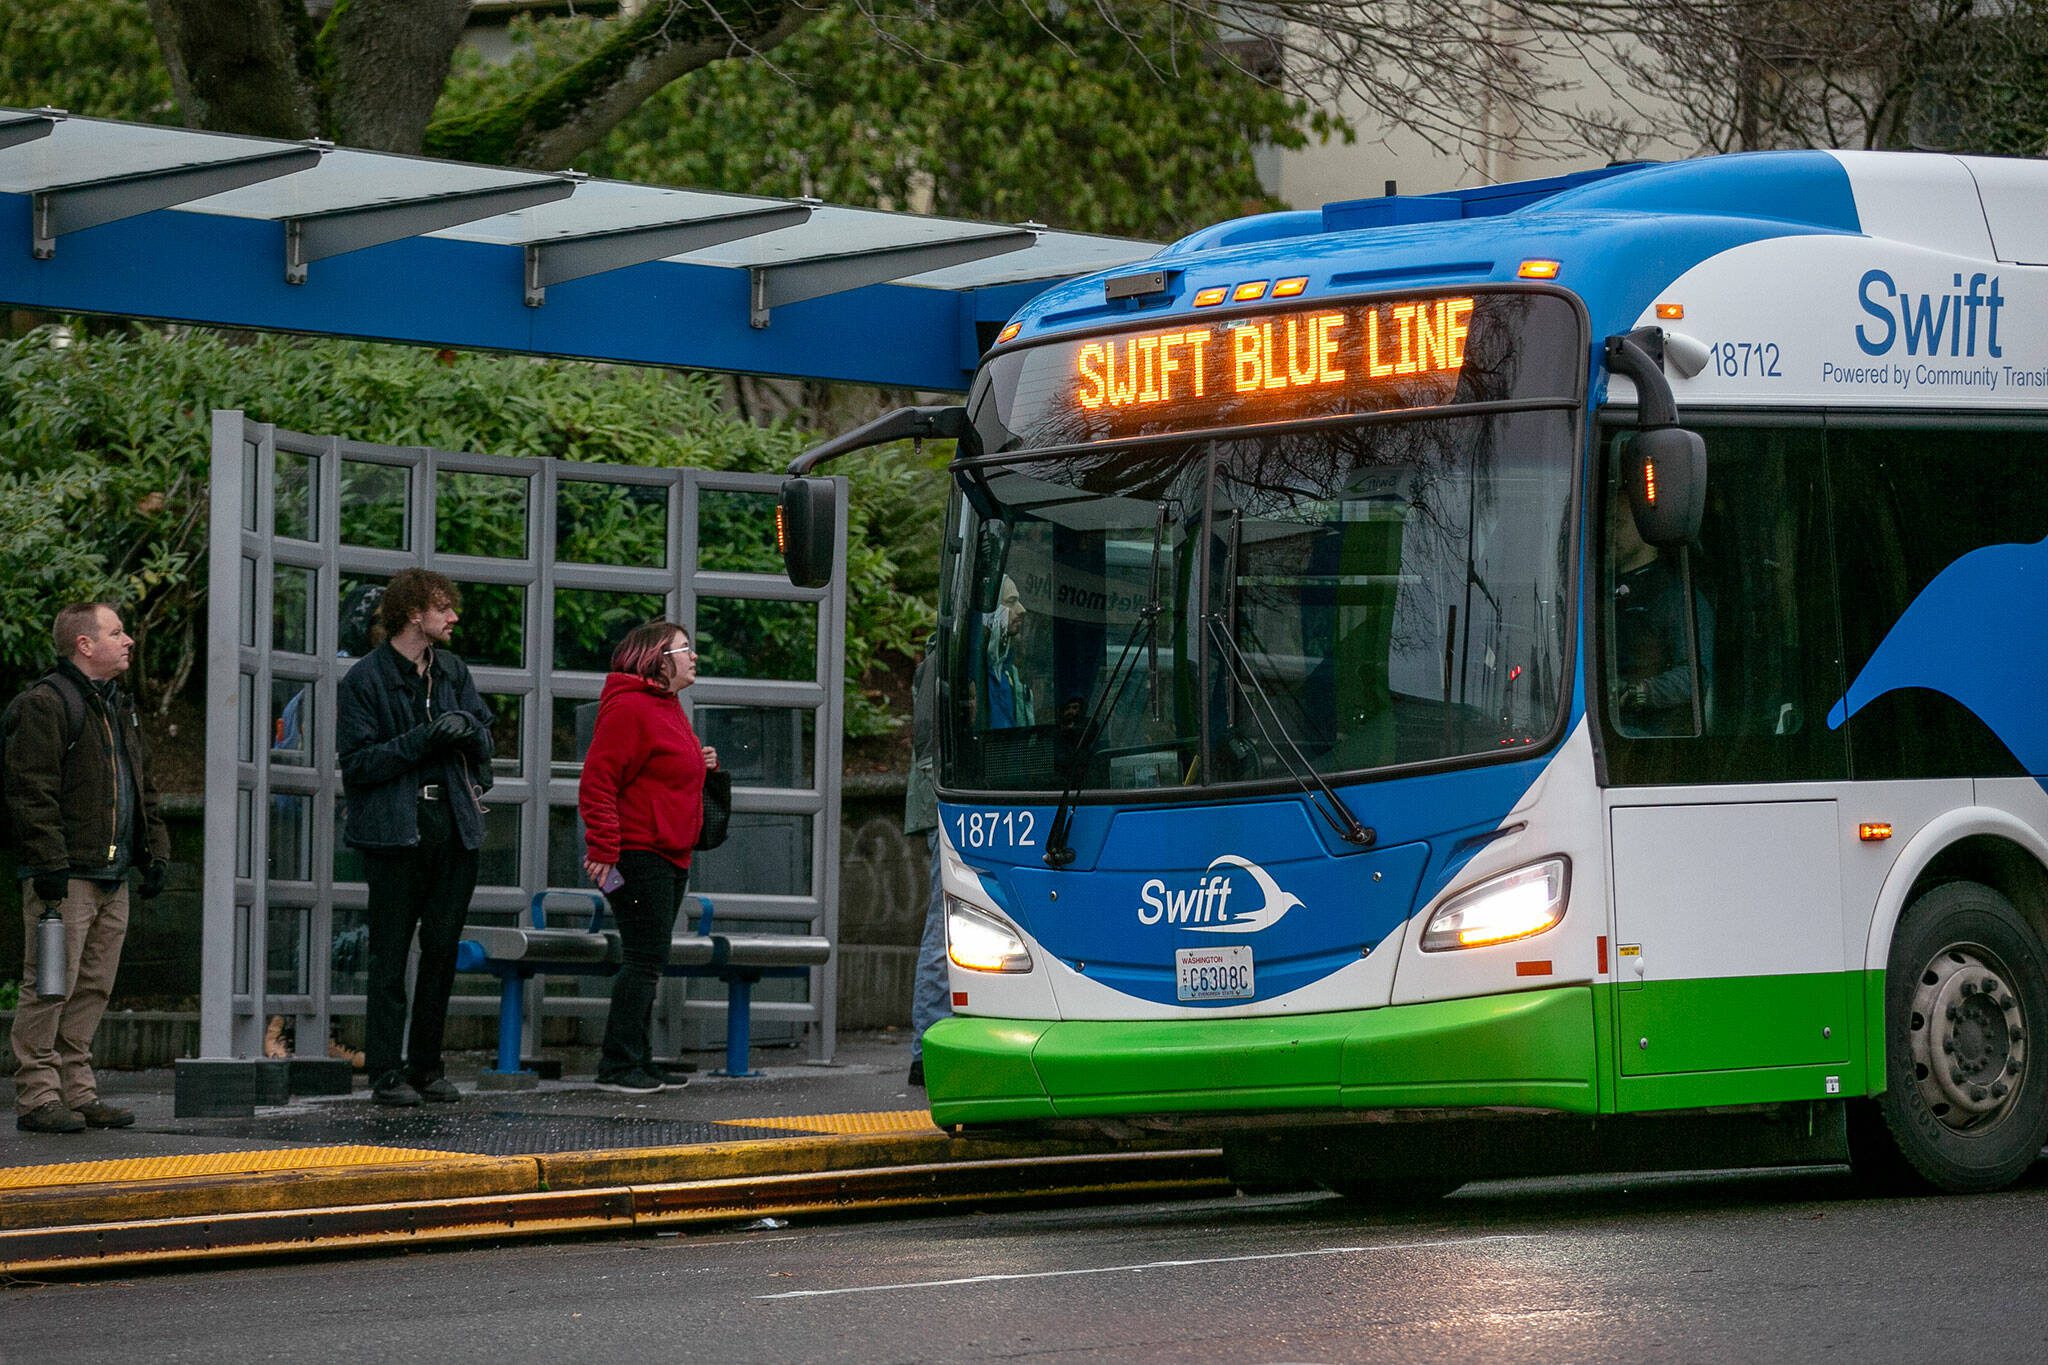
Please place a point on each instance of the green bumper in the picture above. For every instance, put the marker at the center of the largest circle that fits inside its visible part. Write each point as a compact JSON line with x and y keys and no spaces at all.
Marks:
{"x":1534,"y":1049}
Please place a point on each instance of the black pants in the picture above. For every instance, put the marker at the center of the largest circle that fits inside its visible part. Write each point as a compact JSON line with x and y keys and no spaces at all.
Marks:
{"x":645,"y":908}
{"x":425,"y":888}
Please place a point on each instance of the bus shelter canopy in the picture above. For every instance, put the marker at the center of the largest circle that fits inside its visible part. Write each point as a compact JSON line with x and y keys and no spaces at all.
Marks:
{"x":143,"y":221}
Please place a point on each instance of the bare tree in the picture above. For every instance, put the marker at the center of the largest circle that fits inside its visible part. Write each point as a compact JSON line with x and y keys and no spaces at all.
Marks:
{"x":1967,"y":75}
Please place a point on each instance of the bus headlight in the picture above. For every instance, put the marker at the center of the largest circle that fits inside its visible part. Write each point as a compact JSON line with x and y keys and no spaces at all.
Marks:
{"x":1515,"y":905}
{"x":983,"y":941}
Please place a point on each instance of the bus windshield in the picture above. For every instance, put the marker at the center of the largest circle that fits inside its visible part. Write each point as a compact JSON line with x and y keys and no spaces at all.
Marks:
{"x":1357,"y":597}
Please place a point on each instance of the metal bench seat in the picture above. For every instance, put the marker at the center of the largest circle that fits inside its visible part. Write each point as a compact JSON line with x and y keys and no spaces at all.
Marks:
{"x":517,"y":953}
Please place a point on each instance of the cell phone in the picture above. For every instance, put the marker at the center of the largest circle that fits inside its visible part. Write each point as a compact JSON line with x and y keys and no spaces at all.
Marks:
{"x":613,"y":880}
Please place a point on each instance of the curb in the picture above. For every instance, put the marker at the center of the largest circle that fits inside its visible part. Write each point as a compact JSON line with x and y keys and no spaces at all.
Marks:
{"x":480,"y":1198}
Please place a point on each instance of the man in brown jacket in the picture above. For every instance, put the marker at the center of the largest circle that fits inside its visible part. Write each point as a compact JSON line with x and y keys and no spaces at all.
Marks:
{"x":84,"y":808}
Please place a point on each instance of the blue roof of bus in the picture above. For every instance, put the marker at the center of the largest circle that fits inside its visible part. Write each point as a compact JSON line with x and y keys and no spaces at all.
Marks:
{"x":1619,"y":233}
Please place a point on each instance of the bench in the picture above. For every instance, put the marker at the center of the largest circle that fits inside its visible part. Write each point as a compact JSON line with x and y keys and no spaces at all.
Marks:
{"x":516,"y":954}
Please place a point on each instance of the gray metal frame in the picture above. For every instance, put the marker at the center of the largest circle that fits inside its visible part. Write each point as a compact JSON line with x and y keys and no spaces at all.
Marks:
{"x":244,"y":787}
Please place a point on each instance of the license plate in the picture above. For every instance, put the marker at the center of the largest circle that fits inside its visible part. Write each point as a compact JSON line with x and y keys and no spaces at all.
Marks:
{"x":1213,"y":973}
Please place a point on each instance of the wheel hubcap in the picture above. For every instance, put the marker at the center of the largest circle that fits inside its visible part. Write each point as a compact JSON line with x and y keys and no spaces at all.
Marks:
{"x":1967,"y":1038}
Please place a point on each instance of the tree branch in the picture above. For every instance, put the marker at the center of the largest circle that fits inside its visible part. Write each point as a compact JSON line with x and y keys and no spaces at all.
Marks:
{"x":547,"y":127}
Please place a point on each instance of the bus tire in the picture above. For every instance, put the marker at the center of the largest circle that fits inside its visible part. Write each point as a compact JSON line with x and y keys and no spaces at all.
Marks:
{"x":1965,"y":1102}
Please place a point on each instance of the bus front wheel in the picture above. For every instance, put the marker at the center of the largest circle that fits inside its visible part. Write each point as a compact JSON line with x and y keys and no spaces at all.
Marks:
{"x":1965,"y":1103}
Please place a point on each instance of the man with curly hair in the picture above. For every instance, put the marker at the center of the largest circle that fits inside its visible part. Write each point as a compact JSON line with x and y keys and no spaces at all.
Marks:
{"x":414,"y":741}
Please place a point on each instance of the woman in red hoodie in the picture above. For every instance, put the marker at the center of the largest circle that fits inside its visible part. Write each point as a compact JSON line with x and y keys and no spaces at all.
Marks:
{"x":642,"y":800}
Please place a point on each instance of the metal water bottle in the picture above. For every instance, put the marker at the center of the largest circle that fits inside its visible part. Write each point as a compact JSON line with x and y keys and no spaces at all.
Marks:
{"x":53,"y":958}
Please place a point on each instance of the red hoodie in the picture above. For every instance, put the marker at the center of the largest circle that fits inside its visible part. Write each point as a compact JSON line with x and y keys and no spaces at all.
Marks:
{"x":643,"y":779}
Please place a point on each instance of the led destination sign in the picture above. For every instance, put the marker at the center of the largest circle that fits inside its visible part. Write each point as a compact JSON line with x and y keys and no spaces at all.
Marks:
{"x":1259,"y":355}
{"x":1283,"y":365}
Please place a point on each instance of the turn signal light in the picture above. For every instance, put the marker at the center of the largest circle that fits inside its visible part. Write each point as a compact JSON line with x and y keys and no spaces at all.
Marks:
{"x":1249,"y":290}
{"x":1287,"y":289}
{"x":781,"y":532}
{"x":1009,"y":333}
{"x":1538,"y":270}
{"x":1209,"y":298}
{"x":1671,"y":312}
{"x":1874,"y":831}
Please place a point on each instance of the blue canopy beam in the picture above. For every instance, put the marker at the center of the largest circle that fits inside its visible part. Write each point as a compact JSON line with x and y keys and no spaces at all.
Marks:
{"x":81,"y":204}
{"x":561,"y":259}
{"x":312,"y":237}
{"x":813,"y":277}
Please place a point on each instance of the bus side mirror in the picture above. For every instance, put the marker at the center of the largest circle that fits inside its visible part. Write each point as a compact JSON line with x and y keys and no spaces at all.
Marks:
{"x":806,"y":522}
{"x":1667,"y":485}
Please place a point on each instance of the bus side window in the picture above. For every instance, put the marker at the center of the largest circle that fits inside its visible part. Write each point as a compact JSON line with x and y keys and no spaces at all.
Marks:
{"x":1661,"y":654}
{"x":1761,"y":579}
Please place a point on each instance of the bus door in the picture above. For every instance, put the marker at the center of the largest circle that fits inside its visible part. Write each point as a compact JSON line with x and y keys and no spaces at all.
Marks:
{"x":1717,"y":664}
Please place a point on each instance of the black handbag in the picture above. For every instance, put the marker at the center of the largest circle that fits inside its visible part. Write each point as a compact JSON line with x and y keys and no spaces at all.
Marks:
{"x":717,"y":809}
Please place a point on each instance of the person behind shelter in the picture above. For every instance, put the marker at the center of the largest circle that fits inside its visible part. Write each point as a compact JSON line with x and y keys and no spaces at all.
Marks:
{"x":1652,"y":639}
{"x":931,"y":990}
{"x":642,"y":802}
{"x":84,"y":806}
{"x":1009,"y":696}
{"x":414,"y":742}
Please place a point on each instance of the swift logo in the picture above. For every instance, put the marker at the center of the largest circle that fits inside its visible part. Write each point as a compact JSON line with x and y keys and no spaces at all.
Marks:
{"x":1203,"y":907}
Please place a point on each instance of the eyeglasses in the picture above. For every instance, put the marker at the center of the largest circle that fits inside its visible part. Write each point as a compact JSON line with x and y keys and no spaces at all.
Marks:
{"x":682,"y":649}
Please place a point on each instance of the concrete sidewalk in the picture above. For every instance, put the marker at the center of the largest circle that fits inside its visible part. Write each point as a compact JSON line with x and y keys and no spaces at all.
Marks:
{"x":341,"y":1172}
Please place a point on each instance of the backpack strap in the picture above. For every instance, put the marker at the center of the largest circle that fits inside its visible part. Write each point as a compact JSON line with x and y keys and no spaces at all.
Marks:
{"x":74,"y":706}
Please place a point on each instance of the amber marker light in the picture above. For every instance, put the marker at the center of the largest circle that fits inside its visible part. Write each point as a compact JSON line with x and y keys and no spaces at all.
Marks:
{"x":1671,"y":312}
{"x":1287,"y":289}
{"x":1249,"y":290}
{"x":1538,"y":270}
{"x":781,"y":533}
{"x":1209,"y":298}
{"x":1009,"y":333}
{"x":1874,"y":831}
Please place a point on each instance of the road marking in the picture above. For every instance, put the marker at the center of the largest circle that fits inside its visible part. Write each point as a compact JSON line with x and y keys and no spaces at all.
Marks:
{"x":1151,"y":1265}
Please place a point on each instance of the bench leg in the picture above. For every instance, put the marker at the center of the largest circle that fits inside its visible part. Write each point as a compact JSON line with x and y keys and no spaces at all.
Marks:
{"x":739,"y":996}
{"x":511,"y":1019}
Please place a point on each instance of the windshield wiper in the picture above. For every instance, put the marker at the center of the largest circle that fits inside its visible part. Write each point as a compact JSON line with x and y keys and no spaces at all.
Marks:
{"x":1347,"y":825}
{"x":1059,"y":852}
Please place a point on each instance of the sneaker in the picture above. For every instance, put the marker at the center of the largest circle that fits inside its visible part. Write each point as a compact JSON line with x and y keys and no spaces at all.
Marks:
{"x":671,"y":1081}
{"x":53,"y":1117}
{"x":394,"y":1089}
{"x":631,"y":1083}
{"x":97,"y":1115}
{"x":440,"y":1090}
{"x":917,"y":1072}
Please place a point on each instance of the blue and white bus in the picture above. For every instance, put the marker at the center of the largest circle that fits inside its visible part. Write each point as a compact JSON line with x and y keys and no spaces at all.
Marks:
{"x":1545,"y":676}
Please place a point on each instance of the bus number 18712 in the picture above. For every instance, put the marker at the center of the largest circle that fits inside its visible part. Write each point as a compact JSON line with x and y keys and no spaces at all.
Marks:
{"x":994,"y":829}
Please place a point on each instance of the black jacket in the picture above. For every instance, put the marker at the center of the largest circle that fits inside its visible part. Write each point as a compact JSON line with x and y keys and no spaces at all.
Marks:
{"x":381,"y":742}
{"x":66,"y":804}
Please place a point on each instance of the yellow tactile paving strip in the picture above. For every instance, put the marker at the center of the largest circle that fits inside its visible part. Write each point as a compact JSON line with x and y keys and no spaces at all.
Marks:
{"x":208,"y":1163}
{"x":888,"y":1121}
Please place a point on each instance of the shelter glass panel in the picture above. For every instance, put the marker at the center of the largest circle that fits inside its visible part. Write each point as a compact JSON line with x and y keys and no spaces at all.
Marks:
{"x":508,"y":733}
{"x":298,"y":496}
{"x":762,"y":746}
{"x":291,"y":610}
{"x":245,"y":716}
{"x":291,"y":837}
{"x":357,"y":631}
{"x":482,"y":514}
{"x":589,"y":623}
{"x":498,"y":861}
{"x":492,"y":626}
{"x":736,"y":532}
{"x":763,"y":854}
{"x":611,"y":523}
{"x":376,"y":505}
{"x":747,"y":638}
{"x":291,"y":723}
{"x":285,"y":947}
{"x":574,"y":719}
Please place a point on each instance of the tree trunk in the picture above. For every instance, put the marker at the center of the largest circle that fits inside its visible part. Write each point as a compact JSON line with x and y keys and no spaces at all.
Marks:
{"x":240,"y":66}
{"x":389,"y":61}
